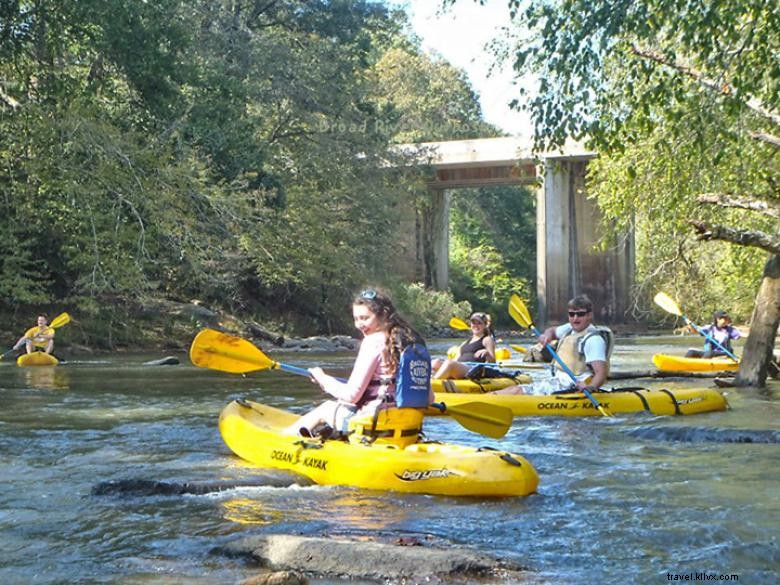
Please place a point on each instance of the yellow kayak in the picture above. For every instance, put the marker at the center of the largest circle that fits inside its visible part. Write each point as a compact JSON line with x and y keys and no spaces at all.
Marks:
{"x":253,"y":431}
{"x":36,"y":358}
{"x":655,"y":401}
{"x":673,"y":363}
{"x":478,"y":386}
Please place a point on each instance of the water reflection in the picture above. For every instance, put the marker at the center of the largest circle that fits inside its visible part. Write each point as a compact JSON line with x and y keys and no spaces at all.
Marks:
{"x":47,"y":378}
{"x":250,"y":511}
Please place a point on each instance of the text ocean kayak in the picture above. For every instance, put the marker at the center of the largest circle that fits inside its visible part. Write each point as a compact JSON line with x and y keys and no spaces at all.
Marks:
{"x":36,"y":358}
{"x":655,"y":401}
{"x":253,"y":431}
{"x":673,"y":363}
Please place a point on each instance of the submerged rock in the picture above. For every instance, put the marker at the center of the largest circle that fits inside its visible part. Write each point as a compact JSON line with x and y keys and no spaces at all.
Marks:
{"x":360,"y":559}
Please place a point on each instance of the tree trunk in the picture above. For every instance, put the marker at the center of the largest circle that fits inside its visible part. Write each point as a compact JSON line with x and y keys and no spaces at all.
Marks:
{"x":763,"y":328}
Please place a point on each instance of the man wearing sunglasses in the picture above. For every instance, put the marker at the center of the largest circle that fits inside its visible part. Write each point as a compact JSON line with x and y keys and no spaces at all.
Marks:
{"x":582,"y":346}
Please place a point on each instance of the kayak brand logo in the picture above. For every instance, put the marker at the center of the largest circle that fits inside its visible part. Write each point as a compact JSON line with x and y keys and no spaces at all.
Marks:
{"x":285,"y":456}
{"x":315,"y":463}
{"x":409,"y":475}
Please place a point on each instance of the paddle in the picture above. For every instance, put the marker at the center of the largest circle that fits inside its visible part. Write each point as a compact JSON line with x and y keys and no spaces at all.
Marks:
{"x":667,"y":304}
{"x":519,"y":313}
{"x":518,"y":348}
{"x":58,"y":321}
{"x":458,"y":323}
{"x":228,"y":353}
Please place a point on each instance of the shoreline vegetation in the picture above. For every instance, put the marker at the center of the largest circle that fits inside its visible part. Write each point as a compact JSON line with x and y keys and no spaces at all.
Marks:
{"x":169,"y":326}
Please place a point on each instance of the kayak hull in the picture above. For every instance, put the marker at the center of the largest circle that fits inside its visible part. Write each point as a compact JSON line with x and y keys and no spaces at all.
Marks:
{"x":253,"y":431}
{"x":673,"y":363}
{"x":654,"y":401}
{"x":36,"y":358}
{"x":478,"y":386}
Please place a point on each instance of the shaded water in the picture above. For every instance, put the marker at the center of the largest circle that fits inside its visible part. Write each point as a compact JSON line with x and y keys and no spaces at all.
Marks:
{"x":630,"y":498}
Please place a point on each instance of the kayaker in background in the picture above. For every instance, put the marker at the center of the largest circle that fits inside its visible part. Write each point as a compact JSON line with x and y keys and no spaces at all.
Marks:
{"x":480,"y":347}
{"x":722,"y":331}
{"x":371,"y":385}
{"x":40,"y":337}
{"x":583,"y":347}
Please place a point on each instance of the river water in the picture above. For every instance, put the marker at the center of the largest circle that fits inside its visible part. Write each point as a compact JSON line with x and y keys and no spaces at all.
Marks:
{"x":633,"y":498}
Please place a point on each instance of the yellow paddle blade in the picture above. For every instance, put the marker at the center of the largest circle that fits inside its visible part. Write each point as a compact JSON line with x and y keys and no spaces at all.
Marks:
{"x":667,"y":304}
{"x":60,"y":320}
{"x":518,"y":348}
{"x":221,"y":351}
{"x":458,"y":323}
{"x":519,"y":312}
{"x":486,"y":419}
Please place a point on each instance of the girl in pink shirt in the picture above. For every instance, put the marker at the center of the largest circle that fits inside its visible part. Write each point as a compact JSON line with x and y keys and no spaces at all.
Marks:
{"x":371,"y":385}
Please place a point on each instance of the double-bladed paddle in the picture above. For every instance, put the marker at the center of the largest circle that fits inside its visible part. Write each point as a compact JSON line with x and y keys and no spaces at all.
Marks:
{"x":58,"y":321}
{"x":227,"y":353}
{"x":668,"y":304}
{"x":519,"y":312}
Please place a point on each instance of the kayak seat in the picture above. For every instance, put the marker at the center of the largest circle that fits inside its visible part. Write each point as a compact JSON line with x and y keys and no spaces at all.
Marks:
{"x":397,"y":427}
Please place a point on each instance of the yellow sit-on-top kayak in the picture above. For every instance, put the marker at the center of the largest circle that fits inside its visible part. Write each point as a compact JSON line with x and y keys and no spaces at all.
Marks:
{"x":673,"y":363}
{"x":37,"y":358}
{"x":479,"y":385}
{"x":254,"y":432}
{"x":655,"y":401}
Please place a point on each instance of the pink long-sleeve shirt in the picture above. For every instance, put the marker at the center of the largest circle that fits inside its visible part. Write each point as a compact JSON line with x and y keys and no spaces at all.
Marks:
{"x":371,"y":366}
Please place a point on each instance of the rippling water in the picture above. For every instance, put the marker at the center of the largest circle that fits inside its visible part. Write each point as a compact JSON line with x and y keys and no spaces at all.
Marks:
{"x":630,"y":498}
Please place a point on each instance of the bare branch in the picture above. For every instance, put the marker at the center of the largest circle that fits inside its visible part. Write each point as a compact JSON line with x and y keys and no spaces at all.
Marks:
{"x":722,"y":88}
{"x":769,"y":139}
{"x":771,"y":208}
{"x":754,"y":239}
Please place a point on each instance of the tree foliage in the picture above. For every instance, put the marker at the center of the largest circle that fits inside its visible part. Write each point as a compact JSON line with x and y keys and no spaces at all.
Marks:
{"x":681,"y":100}
{"x":231,"y":152}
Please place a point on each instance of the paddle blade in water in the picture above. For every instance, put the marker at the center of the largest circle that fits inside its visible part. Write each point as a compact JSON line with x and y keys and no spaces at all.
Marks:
{"x":518,"y":348}
{"x":220,"y":351}
{"x":458,"y":323}
{"x":486,"y":419}
{"x":667,"y":304}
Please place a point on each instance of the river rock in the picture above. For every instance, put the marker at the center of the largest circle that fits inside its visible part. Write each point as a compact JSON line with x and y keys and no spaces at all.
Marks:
{"x":322,"y":343}
{"x":359,"y":559}
{"x":277,"y":578}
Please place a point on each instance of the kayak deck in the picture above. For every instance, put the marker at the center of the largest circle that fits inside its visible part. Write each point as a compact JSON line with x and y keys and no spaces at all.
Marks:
{"x":36,"y":358}
{"x":655,"y":401}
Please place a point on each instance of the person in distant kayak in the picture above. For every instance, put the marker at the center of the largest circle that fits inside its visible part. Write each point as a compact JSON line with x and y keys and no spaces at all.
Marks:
{"x":582,"y":346}
{"x":722,"y":331}
{"x":38,"y":338}
{"x":480,"y":347}
{"x":371,"y":385}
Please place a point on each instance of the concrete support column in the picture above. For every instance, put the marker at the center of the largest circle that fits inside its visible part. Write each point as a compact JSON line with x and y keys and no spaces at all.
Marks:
{"x":567,"y":262}
{"x":435,"y":239}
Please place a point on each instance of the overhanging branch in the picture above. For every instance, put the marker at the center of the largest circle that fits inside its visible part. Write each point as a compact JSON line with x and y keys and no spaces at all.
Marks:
{"x":770,"y":208}
{"x":754,"y":239}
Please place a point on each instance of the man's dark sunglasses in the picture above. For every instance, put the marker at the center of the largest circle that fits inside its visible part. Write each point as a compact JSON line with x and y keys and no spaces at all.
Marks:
{"x":578,"y":313}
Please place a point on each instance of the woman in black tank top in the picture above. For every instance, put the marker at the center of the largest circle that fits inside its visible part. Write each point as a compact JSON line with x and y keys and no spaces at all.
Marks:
{"x":480,"y":347}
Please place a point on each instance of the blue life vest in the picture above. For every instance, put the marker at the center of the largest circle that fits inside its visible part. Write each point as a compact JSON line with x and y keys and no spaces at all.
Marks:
{"x":413,"y":379}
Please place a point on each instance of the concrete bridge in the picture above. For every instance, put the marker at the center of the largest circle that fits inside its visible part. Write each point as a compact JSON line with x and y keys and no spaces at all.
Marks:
{"x":566,"y":221}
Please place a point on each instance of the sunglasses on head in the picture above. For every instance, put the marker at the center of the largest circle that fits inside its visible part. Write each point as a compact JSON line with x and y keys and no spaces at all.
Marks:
{"x":578,"y":313}
{"x":369,"y":294}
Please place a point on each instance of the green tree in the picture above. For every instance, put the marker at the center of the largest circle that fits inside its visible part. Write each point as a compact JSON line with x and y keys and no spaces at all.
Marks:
{"x":681,"y":100}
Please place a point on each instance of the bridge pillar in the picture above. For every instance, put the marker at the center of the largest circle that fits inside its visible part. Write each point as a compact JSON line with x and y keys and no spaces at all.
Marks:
{"x":567,"y":264}
{"x":433,"y":237}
